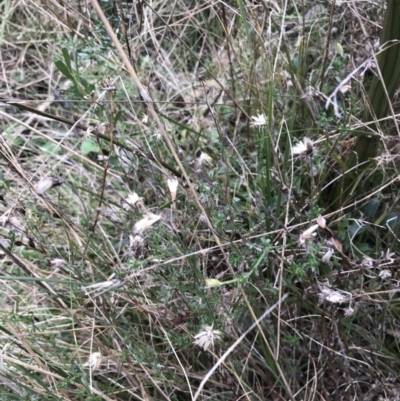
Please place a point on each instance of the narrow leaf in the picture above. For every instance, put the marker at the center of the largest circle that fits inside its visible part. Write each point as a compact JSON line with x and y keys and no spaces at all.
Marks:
{"x":64,"y":70}
{"x":67,"y":58}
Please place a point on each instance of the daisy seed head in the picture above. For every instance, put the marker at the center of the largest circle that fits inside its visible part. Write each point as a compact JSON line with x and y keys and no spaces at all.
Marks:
{"x":146,"y":222}
{"x":47,"y":183}
{"x":94,"y":361}
{"x":131,"y":200}
{"x":309,"y":234}
{"x":304,"y":147}
{"x":173,"y":187}
{"x":206,"y":337}
{"x":258,"y":121}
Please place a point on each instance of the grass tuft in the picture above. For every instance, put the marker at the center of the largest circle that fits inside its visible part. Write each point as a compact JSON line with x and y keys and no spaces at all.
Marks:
{"x":183,"y":215}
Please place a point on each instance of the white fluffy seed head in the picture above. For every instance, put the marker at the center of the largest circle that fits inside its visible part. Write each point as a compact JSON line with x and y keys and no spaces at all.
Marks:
{"x":47,"y":183}
{"x":304,"y":147}
{"x":94,"y":361}
{"x":309,"y":234}
{"x":173,"y":187}
{"x":131,"y":200}
{"x":258,"y":121}
{"x":206,"y":337}
{"x":147,"y":221}
{"x":204,"y":159}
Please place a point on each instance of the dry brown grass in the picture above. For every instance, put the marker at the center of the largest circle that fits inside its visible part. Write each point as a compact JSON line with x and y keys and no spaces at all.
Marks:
{"x":95,"y":308}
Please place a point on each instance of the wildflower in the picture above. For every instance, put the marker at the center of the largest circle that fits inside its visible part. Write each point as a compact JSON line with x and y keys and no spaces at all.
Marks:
{"x":321,"y":222}
{"x":335,"y":297}
{"x":367,"y":262}
{"x":89,"y":131}
{"x":309,"y":234}
{"x":388,"y":256}
{"x":56,"y":262}
{"x":47,"y":183}
{"x":135,"y":242}
{"x":94,"y":361}
{"x":304,"y":147}
{"x":106,"y":285}
{"x":173,"y":187}
{"x":131,"y":199}
{"x":384,"y":274}
{"x":327,"y":256}
{"x":158,"y":135}
{"x":212,"y":282}
{"x":204,"y":158}
{"x":348,"y":311}
{"x":203,"y":219}
{"x":206,"y":337}
{"x":147,"y":221}
{"x":102,"y":158}
{"x":258,"y":121}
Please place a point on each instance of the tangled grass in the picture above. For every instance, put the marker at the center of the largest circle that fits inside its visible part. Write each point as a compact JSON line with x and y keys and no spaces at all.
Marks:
{"x":173,"y":218}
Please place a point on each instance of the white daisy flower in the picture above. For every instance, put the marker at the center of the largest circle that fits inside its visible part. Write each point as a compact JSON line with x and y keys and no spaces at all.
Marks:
{"x":47,"y":183}
{"x":304,"y":147}
{"x":94,"y":361}
{"x":388,"y":255}
{"x":335,"y":297}
{"x":102,"y":158}
{"x":204,"y":158}
{"x":206,"y":337}
{"x":321,"y":222}
{"x":147,"y":221}
{"x":173,"y":187}
{"x":131,"y":200}
{"x":348,"y":311}
{"x":328,"y":254}
{"x":384,"y":274}
{"x":258,"y":121}
{"x":367,"y":262}
{"x":309,"y":234}
{"x":56,"y":262}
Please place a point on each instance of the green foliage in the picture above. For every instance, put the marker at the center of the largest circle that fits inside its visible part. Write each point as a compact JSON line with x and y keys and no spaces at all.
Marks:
{"x":81,"y":86}
{"x":89,"y":146}
{"x":116,"y":287}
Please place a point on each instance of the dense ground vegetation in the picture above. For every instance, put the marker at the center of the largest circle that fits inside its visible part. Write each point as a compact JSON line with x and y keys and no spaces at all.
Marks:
{"x":183,"y":215}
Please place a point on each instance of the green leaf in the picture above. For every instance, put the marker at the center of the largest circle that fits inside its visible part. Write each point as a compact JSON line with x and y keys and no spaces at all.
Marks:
{"x":32,"y":254}
{"x":3,"y":181}
{"x":51,"y":148}
{"x":67,"y":58}
{"x":89,"y":88}
{"x":117,"y":117}
{"x":356,"y":229}
{"x":340,"y":49}
{"x":89,"y":146}
{"x":64,"y":70}
{"x":371,"y":208}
